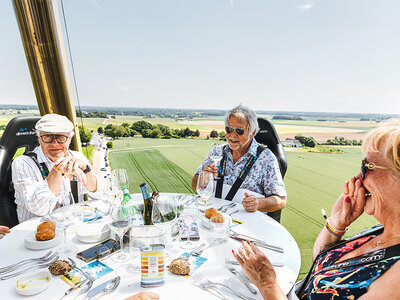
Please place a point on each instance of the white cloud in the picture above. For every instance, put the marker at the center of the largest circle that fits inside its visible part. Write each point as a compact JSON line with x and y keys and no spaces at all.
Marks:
{"x":123,"y":89}
{"x":305,"y":7}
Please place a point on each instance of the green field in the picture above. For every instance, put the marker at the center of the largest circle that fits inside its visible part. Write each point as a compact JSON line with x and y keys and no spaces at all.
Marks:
{"x":313,"y":180}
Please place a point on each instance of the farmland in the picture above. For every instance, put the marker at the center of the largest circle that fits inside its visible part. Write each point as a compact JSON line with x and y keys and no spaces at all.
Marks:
{"x":313,"y":180}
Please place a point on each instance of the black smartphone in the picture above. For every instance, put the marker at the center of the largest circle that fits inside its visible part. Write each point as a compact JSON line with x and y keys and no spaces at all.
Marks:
{"x":99,"y":251}
{"x":190,"y":232}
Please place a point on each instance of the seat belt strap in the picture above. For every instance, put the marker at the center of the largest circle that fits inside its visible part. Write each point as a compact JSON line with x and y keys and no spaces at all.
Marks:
{"x":221,"y":174}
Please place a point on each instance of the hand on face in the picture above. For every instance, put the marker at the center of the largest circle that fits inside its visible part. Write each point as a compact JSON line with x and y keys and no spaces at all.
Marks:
{"x":70,"y":166}
{"x":256,"y":265}
{"x":250,"y":203}
{"x":350,"y":204}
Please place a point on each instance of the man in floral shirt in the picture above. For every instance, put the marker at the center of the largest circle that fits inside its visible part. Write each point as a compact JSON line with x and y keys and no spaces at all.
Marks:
{"x":264,"y":176}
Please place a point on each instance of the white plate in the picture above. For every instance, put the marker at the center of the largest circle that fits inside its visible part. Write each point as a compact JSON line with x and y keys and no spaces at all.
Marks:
{"x":32,"y":243}
{"x":91,"y":233}
{"x":33,"y":283}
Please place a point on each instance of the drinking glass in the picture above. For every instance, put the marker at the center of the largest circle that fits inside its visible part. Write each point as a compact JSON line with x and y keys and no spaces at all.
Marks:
{"x":205,"y":188}
{"x":188,"y":217}
{"x":65,"y":217}
{"x":122,"y":178}
{"x":120,"y":222}
{"x":216,"y":155}
{"x":48,"y":216}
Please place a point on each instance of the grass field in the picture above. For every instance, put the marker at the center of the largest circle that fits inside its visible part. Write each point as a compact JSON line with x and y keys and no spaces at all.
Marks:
{"x":313,"y":180}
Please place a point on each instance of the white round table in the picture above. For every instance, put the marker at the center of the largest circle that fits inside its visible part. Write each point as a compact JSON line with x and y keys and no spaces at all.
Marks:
{"x":256,"y":224}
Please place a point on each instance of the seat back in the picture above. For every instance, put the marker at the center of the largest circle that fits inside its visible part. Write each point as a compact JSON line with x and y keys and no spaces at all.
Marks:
{"x":20,"y":132}
{"x":268,"y":136}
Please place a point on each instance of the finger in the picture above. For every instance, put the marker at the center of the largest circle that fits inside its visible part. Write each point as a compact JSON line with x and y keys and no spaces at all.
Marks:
{"x":352,"y":182}
{"x":257,"y":251}
{"x":360,"y":197}
{"x":346,"y":187}
{"x":80,"y":175}
{"x":238,"y":258}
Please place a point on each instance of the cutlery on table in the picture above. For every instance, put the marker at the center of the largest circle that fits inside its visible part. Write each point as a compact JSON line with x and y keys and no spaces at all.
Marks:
{"x":186,"y":257}
{"x":203,"y":283}
{"x":242,"y":278}
{"x":234,"y":212}
{"x":103,"y":289}
{"x":225,"y":207}
{"x":242,"y":237}
{"x":34,"y":267}
{"x":74,"y":266}
{"x":25,"y":261}
{"x":82,"y":287}
{"x":197,"y":252}
{"x":234,"y":262}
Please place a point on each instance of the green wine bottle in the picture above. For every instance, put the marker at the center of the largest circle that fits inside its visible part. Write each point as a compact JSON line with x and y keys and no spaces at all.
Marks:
{"x":148,"y":204}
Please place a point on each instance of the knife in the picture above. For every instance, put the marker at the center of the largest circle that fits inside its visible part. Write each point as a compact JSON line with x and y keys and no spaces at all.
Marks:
{"x":104,"y":288}
{"x":259,"y":243}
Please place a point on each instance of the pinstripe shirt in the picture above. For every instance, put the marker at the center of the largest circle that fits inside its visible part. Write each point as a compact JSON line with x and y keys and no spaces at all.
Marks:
{"x":32,"y":194}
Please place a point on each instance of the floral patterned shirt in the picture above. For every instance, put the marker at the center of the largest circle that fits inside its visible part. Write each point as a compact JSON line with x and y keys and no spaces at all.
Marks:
{"x":264,"y":177}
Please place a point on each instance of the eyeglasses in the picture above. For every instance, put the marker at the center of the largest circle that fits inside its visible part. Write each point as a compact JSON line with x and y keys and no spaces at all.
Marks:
{"x":365,"y":166}
{"x":238,"y":130}
{"x":49,"y":138}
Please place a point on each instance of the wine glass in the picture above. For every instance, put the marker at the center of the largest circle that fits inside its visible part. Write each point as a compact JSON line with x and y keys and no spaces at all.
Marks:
{"x":189,"y":229}
{"x":120,"y":222}
{"x":205,"y":187}
{"x":216,"y":155}
{"x":122,"y":178}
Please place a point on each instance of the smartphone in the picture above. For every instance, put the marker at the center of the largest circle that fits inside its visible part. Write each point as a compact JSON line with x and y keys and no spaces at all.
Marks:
{"x":190,"y":232}
{"x":99,"y":251}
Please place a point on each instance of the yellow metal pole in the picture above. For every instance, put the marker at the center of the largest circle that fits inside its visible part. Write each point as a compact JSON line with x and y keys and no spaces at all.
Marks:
{"x":42,"y":40}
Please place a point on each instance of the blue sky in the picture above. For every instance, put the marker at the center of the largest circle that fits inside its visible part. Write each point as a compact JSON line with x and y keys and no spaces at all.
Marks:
{"x":302,"y":55}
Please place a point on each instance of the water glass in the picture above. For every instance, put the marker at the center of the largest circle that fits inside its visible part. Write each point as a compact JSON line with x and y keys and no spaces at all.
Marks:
{"x":220,"y":228}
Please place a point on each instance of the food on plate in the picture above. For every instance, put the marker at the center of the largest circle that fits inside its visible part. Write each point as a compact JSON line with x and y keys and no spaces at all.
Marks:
{"x":217,"y":218}
{"x":46,"y":231}
{"x":60,"y":267}
{"x":45,"y":234}
{"x":179,"y":266}
{"x":211,"y":212}
{"x":46,"y":224}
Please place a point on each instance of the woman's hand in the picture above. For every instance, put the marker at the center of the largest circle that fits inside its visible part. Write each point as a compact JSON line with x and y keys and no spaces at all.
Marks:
{"x":3,"y":231}
{"x":210,"y":168}
{"x":250,"y":203}
{"x":259,"y":269}
{"x":144,"y":296}
{"x":350,"y":204}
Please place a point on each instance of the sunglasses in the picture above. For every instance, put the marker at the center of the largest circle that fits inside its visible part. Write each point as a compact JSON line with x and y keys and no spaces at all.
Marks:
{"x":369,"y":166}
{"x":49,"y":138}
{"x":238,"y":130}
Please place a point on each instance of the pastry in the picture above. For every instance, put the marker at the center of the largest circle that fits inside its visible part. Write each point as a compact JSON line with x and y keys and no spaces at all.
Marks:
{"x":179,"y":266}
{"x":211,"y":212}
{"x":218,"y":218}
{"x":60,"y":267}
{"x":45,"y":234}
{"x":46,"y":224}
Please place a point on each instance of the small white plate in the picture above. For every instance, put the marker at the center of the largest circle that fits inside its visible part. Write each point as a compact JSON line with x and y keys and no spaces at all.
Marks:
{"x":33,"y":283}
{"x":91,"y":233}
{"x":32,"y":243}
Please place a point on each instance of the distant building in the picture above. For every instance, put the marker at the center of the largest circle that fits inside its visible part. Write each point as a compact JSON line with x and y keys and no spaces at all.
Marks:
{"x":292,"y":143}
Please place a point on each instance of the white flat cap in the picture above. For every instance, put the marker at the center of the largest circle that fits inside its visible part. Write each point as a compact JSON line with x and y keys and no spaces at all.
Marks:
{"x":55,"y":124}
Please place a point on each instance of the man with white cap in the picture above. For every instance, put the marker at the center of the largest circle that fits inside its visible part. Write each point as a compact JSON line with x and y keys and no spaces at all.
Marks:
{"x":42,"y":179}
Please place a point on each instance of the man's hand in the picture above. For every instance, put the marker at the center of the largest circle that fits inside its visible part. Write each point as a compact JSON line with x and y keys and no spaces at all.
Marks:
{"x":211,"y":169}
{"x":250,"y":203}
{"x":70,"y":166}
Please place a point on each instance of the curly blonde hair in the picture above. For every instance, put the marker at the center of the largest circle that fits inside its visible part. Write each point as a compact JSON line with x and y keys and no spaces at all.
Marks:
{"x":385,"y":139}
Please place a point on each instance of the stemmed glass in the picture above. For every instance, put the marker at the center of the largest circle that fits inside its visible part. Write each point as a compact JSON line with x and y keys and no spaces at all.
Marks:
{"x":122,"y":177}
{"x":120,"y":223}
{"x":205,"y":187}
{"x":216,"y":155}
{"x":188,"y":216}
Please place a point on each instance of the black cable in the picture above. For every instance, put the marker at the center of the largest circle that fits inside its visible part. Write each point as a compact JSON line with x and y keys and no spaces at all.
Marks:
{"x":72,"y":67}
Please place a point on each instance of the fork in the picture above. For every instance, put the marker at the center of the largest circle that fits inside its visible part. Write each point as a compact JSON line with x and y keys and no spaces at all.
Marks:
{"x":200,"y":251}
{"x":198,"y":280}
{"x":83,"y":287}
{"x":225,"y":207}
{"x":22,"y":262}
{"x":45,"y":265}
{"x":74,"y":266}
{"x":211,"y":284}
{"x":243,"y":279}
{"x":37,"y":261}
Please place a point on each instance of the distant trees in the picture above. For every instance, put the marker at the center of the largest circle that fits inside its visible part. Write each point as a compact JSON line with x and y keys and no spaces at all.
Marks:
{"x":307,"y":141}
{"x":100,"y":130}
{"x":85,"y":134}
{"x":213,"y":134}
{"x":339,"y":140}
{"x":90,"y":114}
{"x":109,"y":145}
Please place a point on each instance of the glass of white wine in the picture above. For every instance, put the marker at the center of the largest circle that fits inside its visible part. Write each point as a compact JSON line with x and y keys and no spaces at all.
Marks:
{"x":216,"y":155}
{"x":205,"y":187}
{"x":120,"y":223}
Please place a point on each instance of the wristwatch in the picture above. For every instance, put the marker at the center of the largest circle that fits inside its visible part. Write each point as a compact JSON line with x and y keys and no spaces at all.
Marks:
{"x":88,"y":169}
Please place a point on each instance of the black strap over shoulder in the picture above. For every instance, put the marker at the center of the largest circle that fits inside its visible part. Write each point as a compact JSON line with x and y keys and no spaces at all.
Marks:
{"x":242,"y":176}
{"x":42,"y":166}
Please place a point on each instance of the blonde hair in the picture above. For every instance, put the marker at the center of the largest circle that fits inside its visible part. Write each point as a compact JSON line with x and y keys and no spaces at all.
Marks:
{"x":385,"y":139}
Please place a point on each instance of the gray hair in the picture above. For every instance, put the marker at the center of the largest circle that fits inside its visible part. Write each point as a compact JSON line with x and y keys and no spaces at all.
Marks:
{"x":245,"y":114}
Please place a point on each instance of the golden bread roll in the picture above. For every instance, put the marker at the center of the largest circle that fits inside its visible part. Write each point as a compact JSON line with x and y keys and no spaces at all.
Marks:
{"x":211,"y":212}
{"x":46,"y":224}
{"x":218,"y":218}
{"x":45,"y":234}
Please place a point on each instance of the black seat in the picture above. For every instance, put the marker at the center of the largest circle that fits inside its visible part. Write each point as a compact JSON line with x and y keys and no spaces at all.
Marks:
{"x":268,"y":136}
{"x":20,"y":132}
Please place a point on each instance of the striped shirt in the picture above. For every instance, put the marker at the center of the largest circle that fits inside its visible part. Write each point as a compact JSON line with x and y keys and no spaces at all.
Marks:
{"x":32,"y":194}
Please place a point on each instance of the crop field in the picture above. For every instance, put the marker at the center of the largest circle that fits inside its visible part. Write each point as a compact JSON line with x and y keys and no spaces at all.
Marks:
{"x":313,"y":180}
